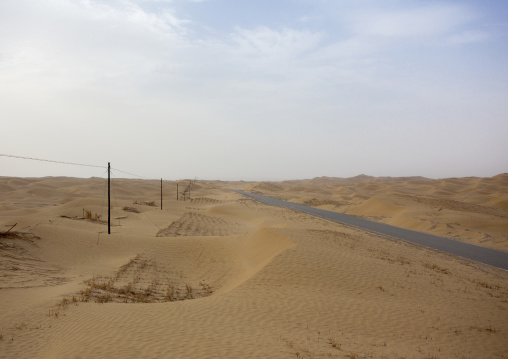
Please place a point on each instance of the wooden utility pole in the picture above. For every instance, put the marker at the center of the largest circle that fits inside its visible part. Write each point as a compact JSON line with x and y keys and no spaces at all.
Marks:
{"x":161,"y":194}
{"x":177,"y":191}
{"x":109,"y":198}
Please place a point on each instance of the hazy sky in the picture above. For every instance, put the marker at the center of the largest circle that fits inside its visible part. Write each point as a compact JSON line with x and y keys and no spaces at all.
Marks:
{"x":237,"y":89}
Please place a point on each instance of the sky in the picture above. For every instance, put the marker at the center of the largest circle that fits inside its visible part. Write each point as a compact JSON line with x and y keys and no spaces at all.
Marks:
{"x":254,"y":90}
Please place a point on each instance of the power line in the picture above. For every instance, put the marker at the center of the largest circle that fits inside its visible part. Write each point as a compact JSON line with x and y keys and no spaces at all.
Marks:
{"x":132,"y":174}
{"x":86,"y":165}
{"x":143,"y":213}
{"x":75,"y":164}
{"x":53,"y":161}
{"x":139,"y":176}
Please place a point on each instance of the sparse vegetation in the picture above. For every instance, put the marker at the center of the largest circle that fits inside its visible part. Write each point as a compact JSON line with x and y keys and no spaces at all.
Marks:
{"x":93,"y":217}
{"x":138,"y":282}
{"x":206,"y":288}
{"x":334,"y":343}
{"x":436,"y":268}
{"x":488,"y":329}
{"x":53,"y":313}
{"x":145,"y":203}
{"x":21,"y":326}
{"x":171,"y":292}
{"x":318,"y":284}
{"x":19,"y":235}
{"x":104,"y":298}
{"x":87,"y":215}
{"x":64,"y":302}
{"x":353,"y":355}
{"x":486,"y":285}
{"x":189,"y":290}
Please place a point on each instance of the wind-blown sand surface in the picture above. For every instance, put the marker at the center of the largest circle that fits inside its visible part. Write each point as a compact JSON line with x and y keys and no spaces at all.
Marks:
{"x":472,"y":209}
{"x":222,"y":276}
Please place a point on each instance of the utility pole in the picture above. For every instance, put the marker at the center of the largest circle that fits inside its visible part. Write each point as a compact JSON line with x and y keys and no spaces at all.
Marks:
{"x":177,"y":191}
{"x":109,"y":198}
{"x":161,"y":194}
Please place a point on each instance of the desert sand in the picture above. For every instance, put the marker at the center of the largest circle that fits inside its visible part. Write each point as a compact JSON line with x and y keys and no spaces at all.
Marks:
{"x":222,"y":276}
{"x":472,"y":209}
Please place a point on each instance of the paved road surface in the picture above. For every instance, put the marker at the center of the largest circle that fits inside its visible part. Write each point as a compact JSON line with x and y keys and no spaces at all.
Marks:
{"x":493,"y":257}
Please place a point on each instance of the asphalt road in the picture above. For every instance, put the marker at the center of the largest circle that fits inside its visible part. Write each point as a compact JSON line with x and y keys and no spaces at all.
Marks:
{"x":493,"y":257}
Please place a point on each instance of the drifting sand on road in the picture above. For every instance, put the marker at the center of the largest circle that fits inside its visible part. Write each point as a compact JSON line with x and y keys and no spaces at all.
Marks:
{"x":222,"y":276}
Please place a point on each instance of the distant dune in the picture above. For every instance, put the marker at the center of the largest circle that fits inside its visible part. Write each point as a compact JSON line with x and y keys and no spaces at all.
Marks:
{"x":222,"y":276}
{"x":469,"y":209}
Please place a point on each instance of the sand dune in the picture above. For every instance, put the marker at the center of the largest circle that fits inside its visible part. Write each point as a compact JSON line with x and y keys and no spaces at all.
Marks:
{"x":222,"y":276}
{"x":469,"y":209}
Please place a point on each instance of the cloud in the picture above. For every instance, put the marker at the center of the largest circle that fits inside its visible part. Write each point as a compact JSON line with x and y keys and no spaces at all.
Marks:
{"x":76,"y":43}
{"x":264,"y":42}
{"x":126,"y":14}
{"x":423,"y":21}
{"x":321,"y":86}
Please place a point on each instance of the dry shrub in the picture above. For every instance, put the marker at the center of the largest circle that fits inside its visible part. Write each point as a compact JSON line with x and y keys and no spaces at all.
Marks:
{"x":19,"y":235}
{"x":145,"y":203}
{"x":131,"y":209}
{"x":93,"y":217}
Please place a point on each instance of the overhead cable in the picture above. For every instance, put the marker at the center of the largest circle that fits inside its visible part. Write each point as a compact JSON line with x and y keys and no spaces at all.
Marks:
{"x":131,"y":174}
{"x":74,"y":164}
{"x":53,"y":161}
